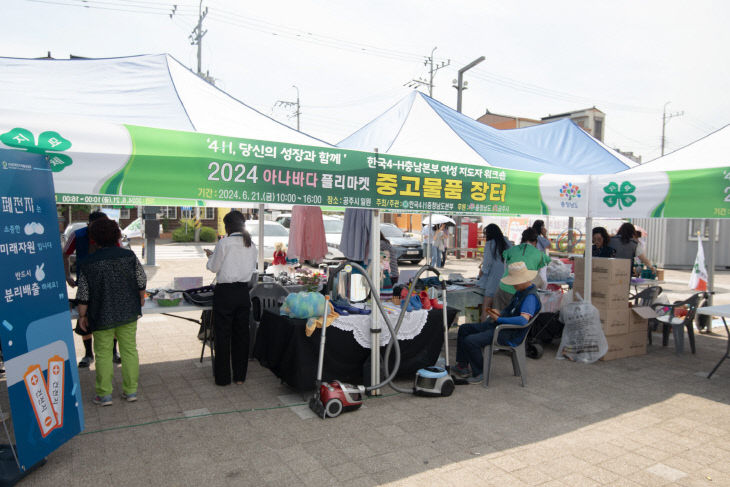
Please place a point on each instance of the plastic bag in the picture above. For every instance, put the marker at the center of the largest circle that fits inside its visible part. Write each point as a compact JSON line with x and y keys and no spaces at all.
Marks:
{"x":303,"y":305}
{"x":558,"y":271}
{"x":583,"y":339}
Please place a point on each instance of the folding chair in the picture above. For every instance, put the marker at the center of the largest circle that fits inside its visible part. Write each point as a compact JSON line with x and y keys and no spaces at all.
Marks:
{"x":264,"y":296}
{"x":517,"y":351}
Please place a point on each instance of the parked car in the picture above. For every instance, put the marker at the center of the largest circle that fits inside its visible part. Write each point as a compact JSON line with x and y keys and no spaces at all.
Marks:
{"x":333,"y":230}
{"x":273,"y":233}
{"x":284,"y":219}
{"x":407,"y":249}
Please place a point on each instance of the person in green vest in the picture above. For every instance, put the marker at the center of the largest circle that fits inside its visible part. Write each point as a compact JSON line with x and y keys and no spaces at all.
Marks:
{"x":526,"y":252}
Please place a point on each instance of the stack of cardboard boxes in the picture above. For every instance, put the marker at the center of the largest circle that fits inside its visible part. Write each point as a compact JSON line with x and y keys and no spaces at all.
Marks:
{"x":625,"y":330}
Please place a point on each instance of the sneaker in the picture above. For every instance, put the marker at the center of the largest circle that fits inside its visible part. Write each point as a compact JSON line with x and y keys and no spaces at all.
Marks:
{"x":117,"y":359}
{"x":131,"y":397}
{"x":460,"y":371}
{"x":477,"y":379}
{"x":85,"y":362}
{"x":103,"y":400}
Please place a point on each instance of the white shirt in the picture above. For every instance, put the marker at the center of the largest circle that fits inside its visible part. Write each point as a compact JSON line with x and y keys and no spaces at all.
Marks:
{"x":231,"y":261}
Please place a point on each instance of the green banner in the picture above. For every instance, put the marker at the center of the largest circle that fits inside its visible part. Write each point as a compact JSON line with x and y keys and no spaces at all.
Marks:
{"x":173,"y":164}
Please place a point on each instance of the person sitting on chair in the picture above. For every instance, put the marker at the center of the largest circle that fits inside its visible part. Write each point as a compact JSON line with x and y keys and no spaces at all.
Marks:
{"x":473,"y":336}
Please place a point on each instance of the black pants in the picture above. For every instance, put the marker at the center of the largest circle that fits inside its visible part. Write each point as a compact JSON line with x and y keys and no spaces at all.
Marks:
{"x":231,"y":308}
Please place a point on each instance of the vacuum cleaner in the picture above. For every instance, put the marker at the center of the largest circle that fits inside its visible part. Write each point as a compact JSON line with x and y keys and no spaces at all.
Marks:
{"x":434,"y":381}
{"x":332,"y":398}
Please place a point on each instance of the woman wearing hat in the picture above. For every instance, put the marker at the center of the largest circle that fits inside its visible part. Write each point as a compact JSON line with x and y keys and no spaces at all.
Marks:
{"x":473,"y":336}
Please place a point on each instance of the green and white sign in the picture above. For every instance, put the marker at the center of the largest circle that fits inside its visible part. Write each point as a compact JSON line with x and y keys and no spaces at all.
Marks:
{"x":109,"y":164}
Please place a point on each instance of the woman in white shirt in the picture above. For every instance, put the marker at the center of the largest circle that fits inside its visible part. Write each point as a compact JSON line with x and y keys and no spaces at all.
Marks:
{"x":234,"y":262}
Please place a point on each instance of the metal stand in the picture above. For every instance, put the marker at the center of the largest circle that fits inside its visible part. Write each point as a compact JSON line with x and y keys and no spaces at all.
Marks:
{"x":10,"y":471}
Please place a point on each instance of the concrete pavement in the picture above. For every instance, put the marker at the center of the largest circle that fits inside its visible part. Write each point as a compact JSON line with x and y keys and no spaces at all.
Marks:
{"x":640,"y":421}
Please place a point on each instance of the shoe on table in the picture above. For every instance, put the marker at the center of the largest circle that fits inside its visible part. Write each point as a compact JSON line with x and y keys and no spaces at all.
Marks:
{"x":117,"y":359}
{"x":131,"y":397}
{"x":477,"y":379}
{"x":85,"y":362}
{"x":103,"y":400}
{"x":461,"y":371}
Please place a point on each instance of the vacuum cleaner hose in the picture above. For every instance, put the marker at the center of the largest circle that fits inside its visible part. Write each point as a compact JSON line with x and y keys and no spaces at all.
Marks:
{"x":386,"y":358}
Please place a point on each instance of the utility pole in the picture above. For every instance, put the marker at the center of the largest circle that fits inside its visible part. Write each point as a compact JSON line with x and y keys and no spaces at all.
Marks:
{"x":292,"y":104}
{"x":416,"y":83}
{"x":665,"y":119}
{"x":460,"y":87}
{"x":196,"y":36}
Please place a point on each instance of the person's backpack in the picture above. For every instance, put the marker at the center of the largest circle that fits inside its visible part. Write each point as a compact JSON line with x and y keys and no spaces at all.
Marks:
{"x":199,"y":296}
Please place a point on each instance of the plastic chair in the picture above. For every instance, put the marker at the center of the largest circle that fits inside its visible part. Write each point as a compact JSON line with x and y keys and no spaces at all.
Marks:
{"x":264,"y":296}
{"x":517,"y":351}
{"x":646,"y":298}
{"x":677,"y":323}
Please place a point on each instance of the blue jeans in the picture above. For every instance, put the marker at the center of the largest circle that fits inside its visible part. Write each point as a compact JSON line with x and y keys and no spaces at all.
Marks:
{"x":469,"y":342}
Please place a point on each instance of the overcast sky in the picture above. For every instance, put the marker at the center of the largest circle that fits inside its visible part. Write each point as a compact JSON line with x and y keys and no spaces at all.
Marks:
{"x":350,"y":60}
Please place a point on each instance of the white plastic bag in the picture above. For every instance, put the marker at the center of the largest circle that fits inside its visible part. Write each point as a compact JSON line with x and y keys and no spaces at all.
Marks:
{"x":558,"y":270}
{"x":583,"y":339}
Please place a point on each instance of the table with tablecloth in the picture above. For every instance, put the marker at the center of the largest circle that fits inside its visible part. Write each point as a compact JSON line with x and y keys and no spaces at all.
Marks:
{"x":283,"y":347}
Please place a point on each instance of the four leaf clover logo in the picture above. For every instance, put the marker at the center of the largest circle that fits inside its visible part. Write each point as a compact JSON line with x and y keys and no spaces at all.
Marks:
{"x":49,"y":144}
{"x":618,"y":195}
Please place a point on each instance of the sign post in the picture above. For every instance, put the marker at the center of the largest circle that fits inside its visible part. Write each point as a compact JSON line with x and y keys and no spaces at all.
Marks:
{"x":37,"y":342}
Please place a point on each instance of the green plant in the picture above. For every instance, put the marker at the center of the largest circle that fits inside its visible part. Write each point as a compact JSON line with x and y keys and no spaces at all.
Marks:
{"x":185,"y":232}
{"x":165,"y":225}
{"x":208,"y":234}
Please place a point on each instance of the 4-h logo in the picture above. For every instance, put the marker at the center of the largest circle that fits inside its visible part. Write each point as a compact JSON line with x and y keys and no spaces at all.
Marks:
{"x":570,"y":191}
{"x":49,"y":144}
{"x":620,"y":196}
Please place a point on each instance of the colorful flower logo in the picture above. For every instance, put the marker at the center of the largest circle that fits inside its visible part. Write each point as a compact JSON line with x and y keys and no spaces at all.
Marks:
{"x":570,"y":191}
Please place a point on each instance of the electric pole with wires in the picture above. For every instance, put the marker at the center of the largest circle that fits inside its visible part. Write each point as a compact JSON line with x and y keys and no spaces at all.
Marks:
{"x":665,"y":119}
{"x":292,"y":104}
{"x":417,"y":83}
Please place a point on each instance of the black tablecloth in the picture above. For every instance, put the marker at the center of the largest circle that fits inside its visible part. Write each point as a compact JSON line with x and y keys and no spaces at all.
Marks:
{"x":283,"y":347}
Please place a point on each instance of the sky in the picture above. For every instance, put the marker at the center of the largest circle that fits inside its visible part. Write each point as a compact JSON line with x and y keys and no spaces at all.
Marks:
{"x":351,"y":60}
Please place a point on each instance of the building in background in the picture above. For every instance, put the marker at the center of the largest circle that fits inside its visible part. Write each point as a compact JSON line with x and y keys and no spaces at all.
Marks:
{"x":506,"y":121}
{"x":592,"y":120}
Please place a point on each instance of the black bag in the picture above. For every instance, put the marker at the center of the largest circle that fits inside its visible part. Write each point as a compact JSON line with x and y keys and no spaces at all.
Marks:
{"x":199,"y":296}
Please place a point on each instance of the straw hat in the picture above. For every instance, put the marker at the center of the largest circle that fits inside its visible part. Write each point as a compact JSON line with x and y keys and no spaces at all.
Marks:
{"x":517,"y":273}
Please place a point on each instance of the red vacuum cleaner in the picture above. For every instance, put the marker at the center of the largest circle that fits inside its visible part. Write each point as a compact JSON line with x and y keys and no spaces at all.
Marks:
{"x":332,"y":398}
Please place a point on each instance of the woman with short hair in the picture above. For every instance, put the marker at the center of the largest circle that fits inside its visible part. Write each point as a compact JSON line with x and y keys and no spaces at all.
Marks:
{"x":111,"y":293}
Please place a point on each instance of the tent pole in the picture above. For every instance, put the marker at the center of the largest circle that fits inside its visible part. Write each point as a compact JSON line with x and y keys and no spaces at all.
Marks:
{"x":374,"y":321}
{"x":261,"y":238}
{"x":588,"y":260}
{"x":710,"y":259}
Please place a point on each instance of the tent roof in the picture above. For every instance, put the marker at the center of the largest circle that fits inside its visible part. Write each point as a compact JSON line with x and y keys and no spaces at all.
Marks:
{"x":712,"y":150}
{"x":149,"y":90}
{"x":420,"y":126}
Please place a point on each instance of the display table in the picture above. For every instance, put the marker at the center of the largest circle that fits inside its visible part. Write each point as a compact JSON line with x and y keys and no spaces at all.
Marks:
{"x":282,"y":347}
{"x":722,"y":311}
{"x":150,"y":307}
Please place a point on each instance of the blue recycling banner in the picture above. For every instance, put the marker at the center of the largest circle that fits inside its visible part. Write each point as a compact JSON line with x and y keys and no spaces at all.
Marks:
{"x":35,"y":323}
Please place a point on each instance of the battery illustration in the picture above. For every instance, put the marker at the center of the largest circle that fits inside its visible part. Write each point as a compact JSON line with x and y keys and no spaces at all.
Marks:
{"x":56,"y":371}
{"x":38,"y":394}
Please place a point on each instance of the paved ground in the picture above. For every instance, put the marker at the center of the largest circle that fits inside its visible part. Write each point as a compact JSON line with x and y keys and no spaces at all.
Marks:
{"x":640,"y":421}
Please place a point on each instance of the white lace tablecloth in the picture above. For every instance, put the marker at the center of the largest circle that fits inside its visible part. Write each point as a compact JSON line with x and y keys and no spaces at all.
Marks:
{"x":359,"y":325}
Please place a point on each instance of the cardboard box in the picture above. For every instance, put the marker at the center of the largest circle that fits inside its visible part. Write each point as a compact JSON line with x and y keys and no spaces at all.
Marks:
{"x":660,"y":274}
{"x":614,"y":271}
{"x":639,"y":317}
{"x":614,"y":321}
{"x":617,"y":347}
{"x":636,"y":344}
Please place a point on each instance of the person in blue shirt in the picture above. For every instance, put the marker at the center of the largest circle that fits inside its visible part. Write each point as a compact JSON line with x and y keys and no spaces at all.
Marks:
{"x":473,"y":336}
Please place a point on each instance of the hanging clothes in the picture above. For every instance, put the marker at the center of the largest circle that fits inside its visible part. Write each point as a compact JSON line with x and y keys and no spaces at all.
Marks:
{"x":306,"y":234}
{"x":355,"y":239}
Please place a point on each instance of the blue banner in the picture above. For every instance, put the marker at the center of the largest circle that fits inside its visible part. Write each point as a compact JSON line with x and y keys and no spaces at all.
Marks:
{"x":35,"y":323}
